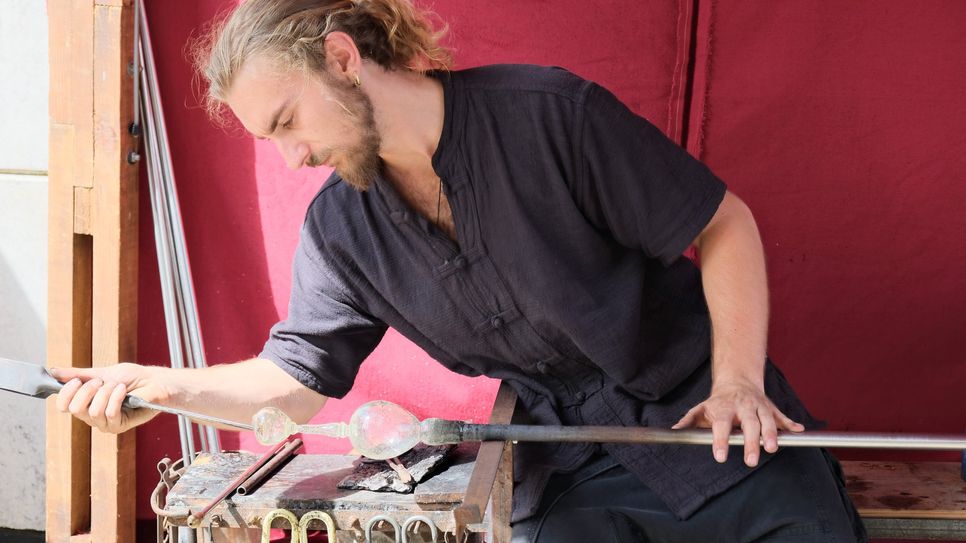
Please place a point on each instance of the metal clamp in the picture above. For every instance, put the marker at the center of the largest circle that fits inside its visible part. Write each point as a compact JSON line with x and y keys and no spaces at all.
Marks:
{"x":317,"y":515}
{"x":433,"y":531}
{"x":383,"y":518}
{"x":279,"y":513}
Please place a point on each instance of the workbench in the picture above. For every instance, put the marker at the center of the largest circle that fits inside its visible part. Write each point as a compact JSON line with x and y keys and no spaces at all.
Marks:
{"x":897,"y":500}
{"x":308,"y":483}
{"x":472,"y":495}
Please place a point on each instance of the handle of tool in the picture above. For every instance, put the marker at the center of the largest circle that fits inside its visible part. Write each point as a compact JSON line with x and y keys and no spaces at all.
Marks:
{"x":49,"y":386}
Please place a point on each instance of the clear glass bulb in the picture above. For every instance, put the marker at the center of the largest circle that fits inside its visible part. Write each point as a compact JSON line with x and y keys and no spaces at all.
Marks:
{"x":272,"y":425}
{"x":379,"y":430}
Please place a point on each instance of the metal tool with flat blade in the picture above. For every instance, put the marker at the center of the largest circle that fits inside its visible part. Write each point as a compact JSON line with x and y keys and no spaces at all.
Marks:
{"x":34,"y":380}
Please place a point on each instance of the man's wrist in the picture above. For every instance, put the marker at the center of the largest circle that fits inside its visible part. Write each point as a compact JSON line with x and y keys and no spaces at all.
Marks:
{"x":727,"y":376}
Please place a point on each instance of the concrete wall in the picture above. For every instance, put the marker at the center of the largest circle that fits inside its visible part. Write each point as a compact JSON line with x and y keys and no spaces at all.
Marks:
{"x":23,"y":252}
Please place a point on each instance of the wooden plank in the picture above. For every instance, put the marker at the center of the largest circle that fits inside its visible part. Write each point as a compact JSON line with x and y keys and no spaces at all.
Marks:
{"x":487,"y":461}
{"x":501,"y":504}
{"x":907,"y":490}
{"x":82,"y":210}
{"x":68,"y":441}
{"x":916,"y":528}
{"x":68,"y":447}
{"x":80,"y":89}
{"x":114,"y":225}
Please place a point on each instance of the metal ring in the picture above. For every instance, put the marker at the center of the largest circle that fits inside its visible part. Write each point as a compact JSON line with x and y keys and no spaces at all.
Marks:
{"x":433,"y":531}
{"x":279,"y":513}
{"x":317,"y":515}
{"x":378,"y":518}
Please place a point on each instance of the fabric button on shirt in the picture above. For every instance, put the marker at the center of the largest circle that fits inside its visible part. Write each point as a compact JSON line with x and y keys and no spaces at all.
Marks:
{"x":460,"y":262}
{"x":543,"y":367}
{"x":497,"y":322}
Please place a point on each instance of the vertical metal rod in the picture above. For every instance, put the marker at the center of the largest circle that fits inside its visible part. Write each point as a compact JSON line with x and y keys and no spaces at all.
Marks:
{"x":136,"y":71}
{"x":164,"y":270}
{"x":187,"y":306}
{"x":155,"y":174}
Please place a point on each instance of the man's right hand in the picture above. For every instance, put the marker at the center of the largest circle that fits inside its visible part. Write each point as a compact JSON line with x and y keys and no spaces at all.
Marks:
{"x":95,"y":395}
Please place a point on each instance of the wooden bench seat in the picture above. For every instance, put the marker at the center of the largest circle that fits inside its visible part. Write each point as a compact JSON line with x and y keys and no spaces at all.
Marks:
{"x":909,"y":500}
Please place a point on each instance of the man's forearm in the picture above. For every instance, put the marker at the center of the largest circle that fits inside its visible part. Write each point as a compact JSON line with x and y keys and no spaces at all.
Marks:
{"x":735,"y":284}
{"x":237,"y":391}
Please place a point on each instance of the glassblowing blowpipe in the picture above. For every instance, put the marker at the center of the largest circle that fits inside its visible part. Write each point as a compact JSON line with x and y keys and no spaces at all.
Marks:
{"x":381,"y":430}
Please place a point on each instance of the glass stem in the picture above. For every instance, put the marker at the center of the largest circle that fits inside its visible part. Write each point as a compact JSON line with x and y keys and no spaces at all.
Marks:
{"x":331,"y":429}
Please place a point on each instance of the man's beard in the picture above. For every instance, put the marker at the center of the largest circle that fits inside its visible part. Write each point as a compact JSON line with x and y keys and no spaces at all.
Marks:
{"x":359,"y":164}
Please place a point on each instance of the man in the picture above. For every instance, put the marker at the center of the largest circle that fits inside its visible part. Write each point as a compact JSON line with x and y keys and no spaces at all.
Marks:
{"x":521,"y":223}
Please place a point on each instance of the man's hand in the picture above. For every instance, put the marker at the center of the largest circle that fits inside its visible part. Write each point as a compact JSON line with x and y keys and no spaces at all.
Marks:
{"x":95,"y":395}
{"x":739,"y":404}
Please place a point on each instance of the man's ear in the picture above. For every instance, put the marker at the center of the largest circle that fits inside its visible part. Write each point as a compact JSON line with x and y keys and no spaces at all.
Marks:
{"x":342,"y":57}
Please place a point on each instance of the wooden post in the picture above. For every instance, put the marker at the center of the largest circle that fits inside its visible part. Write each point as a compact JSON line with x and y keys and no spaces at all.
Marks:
{"x":92,"y":252}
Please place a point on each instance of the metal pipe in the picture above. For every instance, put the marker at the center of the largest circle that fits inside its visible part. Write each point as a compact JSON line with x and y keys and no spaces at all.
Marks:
{"x":164,"y":271}
{"x":136,"y":67}
{"x":252,"y":482}
{"x":194,"y":519}
{"x":138,"y":403}
{"x":185,"y":295}
{"x":441,"y":431}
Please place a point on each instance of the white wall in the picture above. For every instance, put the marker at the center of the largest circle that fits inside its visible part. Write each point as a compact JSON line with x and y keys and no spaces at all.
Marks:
{"x":23,"y":252}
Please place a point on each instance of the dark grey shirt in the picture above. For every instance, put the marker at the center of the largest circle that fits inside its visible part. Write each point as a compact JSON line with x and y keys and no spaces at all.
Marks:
{"x":571,"y":214}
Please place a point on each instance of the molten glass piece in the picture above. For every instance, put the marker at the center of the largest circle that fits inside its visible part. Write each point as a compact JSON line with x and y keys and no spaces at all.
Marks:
{"x":379,"y":430}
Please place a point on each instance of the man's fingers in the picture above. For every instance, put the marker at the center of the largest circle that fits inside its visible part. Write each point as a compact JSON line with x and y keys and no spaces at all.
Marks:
{"x":114,"y":405}
{"x":721,"y":431}
{"x":66,"y":374}
{"x":97,"y":409}
{"x":787,"y":423}
{"x":66,"y":394}
{"x":769,"y":432}
{"x":82,"y":399}
{"x":751,"y":428}
{"x":687,"y":419}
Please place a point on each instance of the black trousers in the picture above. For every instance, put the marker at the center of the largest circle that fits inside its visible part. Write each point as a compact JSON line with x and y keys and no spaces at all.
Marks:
{"x":798,"y":496}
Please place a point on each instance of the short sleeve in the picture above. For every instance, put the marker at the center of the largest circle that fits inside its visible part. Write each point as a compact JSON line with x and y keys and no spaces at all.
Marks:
{"x":324,"y":339}
{"x":634,"y":182}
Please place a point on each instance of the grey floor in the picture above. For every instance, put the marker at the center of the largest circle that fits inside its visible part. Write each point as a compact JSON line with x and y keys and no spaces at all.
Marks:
{"x":20,"y":536}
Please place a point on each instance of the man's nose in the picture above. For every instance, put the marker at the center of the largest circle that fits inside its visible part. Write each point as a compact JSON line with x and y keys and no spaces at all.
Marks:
{"x":294,"y":153}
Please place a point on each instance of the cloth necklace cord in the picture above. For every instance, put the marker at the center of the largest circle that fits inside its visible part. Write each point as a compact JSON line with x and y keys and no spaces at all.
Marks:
{"x":439,"y":199}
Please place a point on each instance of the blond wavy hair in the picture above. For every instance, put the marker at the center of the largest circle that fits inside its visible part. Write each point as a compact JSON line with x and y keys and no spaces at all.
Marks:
{"x":392,"y":33}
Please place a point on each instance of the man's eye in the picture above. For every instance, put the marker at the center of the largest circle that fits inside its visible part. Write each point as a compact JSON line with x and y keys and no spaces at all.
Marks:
{"x":287,"y":124}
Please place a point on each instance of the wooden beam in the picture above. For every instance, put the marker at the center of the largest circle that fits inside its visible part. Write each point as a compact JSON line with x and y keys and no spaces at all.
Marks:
{"x":501,"y":502}
{"x":70,"y":263}
{"x":82,"y":210}
{"x":488,"y":460}
{"x":92,"y":259}
{"x":115,"y":229}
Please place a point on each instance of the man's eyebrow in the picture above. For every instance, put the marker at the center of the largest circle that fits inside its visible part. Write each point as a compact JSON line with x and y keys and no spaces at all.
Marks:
{"x":276,"y":116}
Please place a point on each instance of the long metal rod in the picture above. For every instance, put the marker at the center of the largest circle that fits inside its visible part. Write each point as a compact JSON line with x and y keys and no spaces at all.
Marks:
{"x":620,"y":434}
{"x":182,"y":296}
{"x":137,"y":403}
{"x":251,"y":483}
{"x":184,"y":286}
{"x":161,"y":233}
{"x":195,"y":519}
{"x":163,"y":265}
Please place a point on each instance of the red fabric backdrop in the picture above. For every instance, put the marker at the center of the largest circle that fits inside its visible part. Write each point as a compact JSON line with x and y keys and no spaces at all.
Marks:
{"x":841,"y":128}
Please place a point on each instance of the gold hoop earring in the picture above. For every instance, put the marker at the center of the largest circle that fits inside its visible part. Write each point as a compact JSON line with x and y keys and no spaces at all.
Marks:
{"x":358,"y":81}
